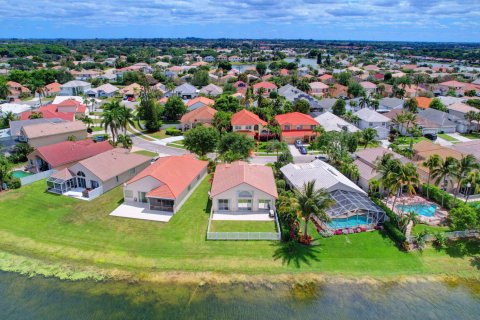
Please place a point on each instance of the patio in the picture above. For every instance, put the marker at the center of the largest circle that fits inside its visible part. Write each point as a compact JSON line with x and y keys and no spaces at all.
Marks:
{"x":137,"y":210}
{"x":438,"y":218}
{"x":242,"y":216}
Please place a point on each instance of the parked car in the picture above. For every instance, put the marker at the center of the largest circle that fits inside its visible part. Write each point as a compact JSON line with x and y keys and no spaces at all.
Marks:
{"x":431,"y":136}
{"x":321,"y":157}
{"x":302,"y":150}
{"x":298,"y":143}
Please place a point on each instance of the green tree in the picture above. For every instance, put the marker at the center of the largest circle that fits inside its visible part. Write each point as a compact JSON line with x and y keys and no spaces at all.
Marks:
{"x":227,"y":103}
{"x":339,"y":107}
{"x":411,"y":105}
{"x":463,"y":218}
{"x":233,"y":146}
{"x":406,"y":176}
{"x":125,"y":140}
{"x":174,"y":108}
{"x":201,"y":140}
{"x":225,"y":65}
{"x":355,"y":89}
{"x":369,"y":135}
{"x":465,"y":165}
{"x":302,"y":106}
{"x":200,"y":78}
{"x":445,"y":170}
{"x":313,"y":202}
{"x":222,"y":121}
{"x":261,"y":68}
{"x":438,"y":105}
{"x":4,"y":89}
{"x":5,"y":167}
{"x":431,"y":163}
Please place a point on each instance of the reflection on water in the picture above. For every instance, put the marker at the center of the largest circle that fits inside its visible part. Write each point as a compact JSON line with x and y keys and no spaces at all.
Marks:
{"x":40,"y":298}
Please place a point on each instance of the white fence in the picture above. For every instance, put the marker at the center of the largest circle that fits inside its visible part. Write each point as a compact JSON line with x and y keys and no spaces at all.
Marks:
{"x":36,"y":177}
{"x":276,"y":236}
{"x":97,"y":192}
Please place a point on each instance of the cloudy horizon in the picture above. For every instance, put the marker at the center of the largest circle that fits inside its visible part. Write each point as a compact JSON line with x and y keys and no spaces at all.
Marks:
{"x":376,"y":20}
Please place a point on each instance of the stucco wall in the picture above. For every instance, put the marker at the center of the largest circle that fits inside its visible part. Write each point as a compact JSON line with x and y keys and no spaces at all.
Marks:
{"x":232,"y":196}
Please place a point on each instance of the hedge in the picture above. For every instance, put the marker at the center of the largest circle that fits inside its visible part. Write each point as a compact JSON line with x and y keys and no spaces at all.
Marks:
{"x":435,"y":194}
{"x":391,"y":226}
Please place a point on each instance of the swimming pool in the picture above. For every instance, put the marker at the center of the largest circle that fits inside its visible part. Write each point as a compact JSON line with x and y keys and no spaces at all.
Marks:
{"x":426,"y":210}
{"x":350,"y":222}
{"x":20,"y":174}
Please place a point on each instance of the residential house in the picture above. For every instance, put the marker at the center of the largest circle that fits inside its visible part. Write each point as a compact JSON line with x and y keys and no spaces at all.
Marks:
{"x":17,"y":125}
{"x":350,"y":200}
{"x":267,"y":86}
{"x":366,"y":163}
{"x":468,"y":147}
{"x":460,"y":110}
{"x":211,"y":90}
{"x":296,"y":125}
{"x":96,"y":175}
{"x":52,"y":89}
{"x":209,"y":59}
{"x":15,"y":108}
{"x":166,"y":184}
{"x":74,"y":88}
{"x":319,"y":88}
{"x":185,"y":91}
{"x":369,"y":118}
{"x":445,"y":122}
{"x":85,"y":75}
{"x":247,"y":122}
{"x":64,"y":154}
{"x":387,"y":104}
{"x":369,"y":87}
{"x":201,"y":115}
{"x":42,"y":134}
{"x":457,"y":86}
{"x":293,"y":94}
{"x":131,"y":91}
{"x":240,"y":188}
{"x":331,"y":122}
{"x":16,"y":90}
{"x":106,"y":90}
{"x":423,"y":102}
{"x":199,"y":102}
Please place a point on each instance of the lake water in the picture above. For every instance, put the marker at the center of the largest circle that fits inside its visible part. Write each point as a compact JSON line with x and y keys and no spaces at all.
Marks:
{"x":41,"y":298}
{"x":304,"y":62}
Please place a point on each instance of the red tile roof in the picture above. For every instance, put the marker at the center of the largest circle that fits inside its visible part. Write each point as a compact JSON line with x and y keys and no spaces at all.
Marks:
{"x":175,"y":173}
{"x":245,"y":117}
{"x":228,"y":176}
{"x":265,"y":84}
{"x":201,"y":114}
{"x":71,"y":151}
{"x":295,"y":118}
{"x":47,"y":114}
{"x":423,"y":102}
{"x":203,"y":100}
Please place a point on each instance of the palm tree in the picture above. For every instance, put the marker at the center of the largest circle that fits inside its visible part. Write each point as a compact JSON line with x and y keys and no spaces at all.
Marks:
{"x":41,"y":91}
{"x":277,"y":146}
{"x":444,"y":170}
{"x":406,"y":175}
{"x":369,"y":135}
{"x":125,"y":140}
{"x":471,"y":116}
{"x":399,"y":120}
{"x":364,"y":102}
{"x":7,"y":117}
{"x":312,"y":202}
{"x":410,"y":216}
{"x":126,"y":117}
{"x":88,"y":121}
{"x":110,"y":119}
{"x":473,"y":178}
{"x":431,"y":163}
{"x":5,"y":167}
{"x":4,"y":89}
{"x":465,"y":166}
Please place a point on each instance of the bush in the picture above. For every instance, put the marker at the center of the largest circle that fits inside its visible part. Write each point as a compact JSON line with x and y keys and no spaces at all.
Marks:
{"x":391,"y":226}
{"x":173,"y":132}
{"x":463,"y":218}
{"x":435,"y":194}
{"x":281,"y":184}
{"x":14,"y":183}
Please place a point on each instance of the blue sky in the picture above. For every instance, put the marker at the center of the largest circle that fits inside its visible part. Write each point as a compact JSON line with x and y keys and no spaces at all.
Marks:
{"x":404,"y":20}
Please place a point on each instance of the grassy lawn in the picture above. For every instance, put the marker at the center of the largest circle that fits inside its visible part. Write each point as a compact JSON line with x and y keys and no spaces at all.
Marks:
{"x":471,"y":135}
{"x":146,"y":153}
{"x":96,"y":129}
{"x":58,"y":229}
{"x":407,"y":140}
{"x":430,"y":229}
{"x":156,"y":135}
{"x":447,"y":137}
{"x":176,"y":144}
{"x":242,"y":226}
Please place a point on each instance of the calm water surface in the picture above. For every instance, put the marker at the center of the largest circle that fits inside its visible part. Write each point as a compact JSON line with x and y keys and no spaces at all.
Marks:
{"x":40,"y":298}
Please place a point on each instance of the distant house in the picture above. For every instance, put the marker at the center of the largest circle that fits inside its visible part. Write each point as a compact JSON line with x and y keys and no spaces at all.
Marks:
{"x":131,"y":91}
{"x":15,"y":108}
{"x":387,"y":104}
{"x":209,"y":59}
{"x":267,"y":86}
{"x":211,"y":90}
{"x":198,"y":102}
{"x":371,"y":119}
{"x":457,"y":86}
{"x":459,"y":110}
{"x":331,"y":122}
{"x":52,"y":89}
{"x":296,"y":125}
{"x":42,"y":134}
{"x":166,"y":184}
{"x":245,"y":121}
{"x":64,"y":154}
{"x":16,"y":90}
{"x":98,"y":174}
{"x":369,"y":87}
{"x":74,"y":88}
{"x":185,"y":91}
{"x":240,"y":187}
{"x":294,"y":94}
{"x":319,"y":88}
{"x":366,"y":163}
{"x":447,"y":123}
{"x":106,"y":90}
{"x":201,"y":115}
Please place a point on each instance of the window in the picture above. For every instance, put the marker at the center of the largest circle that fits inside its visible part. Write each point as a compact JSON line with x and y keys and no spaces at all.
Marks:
{"x":128,"y":194}
{"x":116,"y":178}
{"x":263,"y":204}
{"x":370,"y":124}
{"x":248,"y":128}
{"x":223,"y":205}
{"x":132,"y":171}
{"x":245,"y":204}
{"x":238,"y":127}
{"x":299,"y":127}
{"x":94,"y":184}
{"x":287,"y":127}
{"x":244,"y":194}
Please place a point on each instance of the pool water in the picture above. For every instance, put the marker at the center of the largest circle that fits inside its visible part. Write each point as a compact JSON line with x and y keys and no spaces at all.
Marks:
{"x":20,"y":174}
{"x":426,"y":210}
{"x":350,"y":222}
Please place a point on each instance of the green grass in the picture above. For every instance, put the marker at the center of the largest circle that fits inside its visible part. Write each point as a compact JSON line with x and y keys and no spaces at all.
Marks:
{"x":471,"y":135}
{"x":156,"y":135}
{"x":430,"y":229}
{"x":242,"y":226}
{"x":96,"y":129}
{"x":176,"y":144}
{"x":146,"y":153}
{"x":407,"y":140}
{"x":63,"y":230}
{"x":447,"y":137}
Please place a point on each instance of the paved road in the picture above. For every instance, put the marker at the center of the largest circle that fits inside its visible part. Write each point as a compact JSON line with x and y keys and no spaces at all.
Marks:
{"x":156,"y":147}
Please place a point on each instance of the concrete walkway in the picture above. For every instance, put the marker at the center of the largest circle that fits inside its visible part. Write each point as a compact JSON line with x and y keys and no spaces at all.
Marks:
{"x":443,"y":142}
{"x":140,"y":211}
{"x":459,"y":137}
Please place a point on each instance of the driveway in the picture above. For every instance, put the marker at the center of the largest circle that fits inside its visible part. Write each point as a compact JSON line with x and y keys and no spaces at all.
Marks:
{"x":298,"y":157}
{"x":459,"y":137}
{"x":157,"y":147}
{"x":141,"y":211}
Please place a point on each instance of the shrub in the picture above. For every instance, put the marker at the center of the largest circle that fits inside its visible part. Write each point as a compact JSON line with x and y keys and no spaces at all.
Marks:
{"x":173,"y":132}
{"x":391,"y":226}
{"x":281,"y":184}
{"x":463,"y":218}
{"x":14,"y":183}
{"x":436,"y":194}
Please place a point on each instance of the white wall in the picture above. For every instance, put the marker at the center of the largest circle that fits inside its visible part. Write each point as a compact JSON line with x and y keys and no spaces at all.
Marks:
{"x":231,"y":195}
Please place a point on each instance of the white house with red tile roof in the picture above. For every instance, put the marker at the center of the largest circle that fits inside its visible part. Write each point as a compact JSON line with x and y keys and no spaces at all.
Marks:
{"x":167,"y":183}
{"x":369,"y":87}
{"x":240,"y":187}
{"x":296,"y":125}
{"x":202,"y":115}
{"x":198,"y":102}
{"x":457,"y":86}
{"x":268,"y":86}
{"x":247,"y":121}
{"x":318,"y":88}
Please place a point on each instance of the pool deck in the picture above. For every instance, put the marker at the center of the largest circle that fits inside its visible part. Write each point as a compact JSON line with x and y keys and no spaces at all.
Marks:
{"x":438,"y":218}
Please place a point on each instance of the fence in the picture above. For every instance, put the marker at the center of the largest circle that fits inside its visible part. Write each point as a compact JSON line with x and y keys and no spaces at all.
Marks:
{"x":36,"y":177}
{"x":277,"y":236}
{"x":451,"y":235}
{"x":92,"y":194}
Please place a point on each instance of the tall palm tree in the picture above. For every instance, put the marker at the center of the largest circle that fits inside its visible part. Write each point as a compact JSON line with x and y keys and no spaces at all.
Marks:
{"x":125,"y":140}
{"x":465,"y":166}
{"x":4,"y":89}
{"x":7,"y":117}
{"x":312,"y":202}
{"x":88,"y":121}
{"x":369,"y":135}
{"x":405,"y":176}
{"x":110,"y":119}
{"x":446,"y":169}
{"x":126,"y":117}
{"x":410,"y":216}
{"x":5,"y":167}
{"x":473,"y":178}
{"x":364,"y":102}
{"x":431,"y":163}
{"x":41,"y":91}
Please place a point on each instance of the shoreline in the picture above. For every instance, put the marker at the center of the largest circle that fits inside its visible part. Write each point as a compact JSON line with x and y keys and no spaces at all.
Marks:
{"x":32,"y":267}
